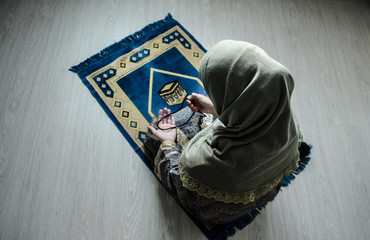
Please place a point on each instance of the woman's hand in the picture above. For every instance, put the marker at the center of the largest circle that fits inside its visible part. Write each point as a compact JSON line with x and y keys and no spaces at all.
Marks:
{"x":168,"y":122}
{"x":199,"y":102}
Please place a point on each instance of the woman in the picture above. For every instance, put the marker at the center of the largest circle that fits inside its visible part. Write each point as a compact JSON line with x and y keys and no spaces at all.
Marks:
{"x":236,"y":163}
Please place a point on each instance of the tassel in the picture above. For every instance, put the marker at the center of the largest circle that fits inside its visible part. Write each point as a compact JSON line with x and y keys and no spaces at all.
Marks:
{"x":121,"y":44}
{"x":305,"y":150}
{"x":242,"y":222}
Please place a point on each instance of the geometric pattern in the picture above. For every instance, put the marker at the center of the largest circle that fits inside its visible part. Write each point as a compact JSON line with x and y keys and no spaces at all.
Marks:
{"x":142,"y":135}
{"x":101,"y":81}
{"x":110,"y":81}
{"x":137,"y":57}
{"x":176,"y":35}
{"x":133,"y":124}
{"x":128,"y":77}
{"x":117,"y":104}
{"x":156,"y":45}
{"x":125,"y":114}
{"x":151,"y":69}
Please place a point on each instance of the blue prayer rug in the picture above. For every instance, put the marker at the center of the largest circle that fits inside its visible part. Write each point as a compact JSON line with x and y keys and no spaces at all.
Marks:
{"x":151,"y":69}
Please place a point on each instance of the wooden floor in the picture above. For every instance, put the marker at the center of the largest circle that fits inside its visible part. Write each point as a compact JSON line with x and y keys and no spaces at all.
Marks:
{"x":66,"y":172}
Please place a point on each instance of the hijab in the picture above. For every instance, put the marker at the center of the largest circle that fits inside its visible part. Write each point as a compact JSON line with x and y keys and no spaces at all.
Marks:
{"x":254,"y":142}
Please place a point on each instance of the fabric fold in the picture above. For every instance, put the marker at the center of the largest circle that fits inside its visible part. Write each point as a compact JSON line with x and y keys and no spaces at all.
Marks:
{"x":255,"y":140}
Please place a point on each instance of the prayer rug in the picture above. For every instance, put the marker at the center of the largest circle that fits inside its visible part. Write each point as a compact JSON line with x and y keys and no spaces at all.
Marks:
{"x":151,"y":69}
{"x":154,"y":68}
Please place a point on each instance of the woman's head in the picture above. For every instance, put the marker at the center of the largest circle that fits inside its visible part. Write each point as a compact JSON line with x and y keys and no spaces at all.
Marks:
{"x":244,"y":83}
{"x":255,"y":136}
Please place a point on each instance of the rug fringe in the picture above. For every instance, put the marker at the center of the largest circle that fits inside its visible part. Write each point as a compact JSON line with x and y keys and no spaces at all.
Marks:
{"x":301,"y":166}
{"x":247,"y":219}
{"x":121,"y":44}
{"x":242,"y":223}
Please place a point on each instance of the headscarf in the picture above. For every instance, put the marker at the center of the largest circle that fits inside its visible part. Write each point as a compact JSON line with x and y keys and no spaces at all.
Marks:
{"x":254,"y":142}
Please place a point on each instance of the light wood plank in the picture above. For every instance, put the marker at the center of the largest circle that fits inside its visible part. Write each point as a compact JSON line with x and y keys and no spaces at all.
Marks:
{"x":66,"y":172}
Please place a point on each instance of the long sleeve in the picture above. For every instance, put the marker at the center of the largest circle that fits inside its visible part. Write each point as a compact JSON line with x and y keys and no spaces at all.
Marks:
{"x":166,"y":161}
{"x":165,"y":164}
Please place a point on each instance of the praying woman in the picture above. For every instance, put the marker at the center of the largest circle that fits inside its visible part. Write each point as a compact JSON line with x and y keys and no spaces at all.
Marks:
{"x":232,"y":158}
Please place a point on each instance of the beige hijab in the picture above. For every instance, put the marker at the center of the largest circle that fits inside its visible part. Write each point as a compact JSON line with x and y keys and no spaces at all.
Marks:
{"x":254,"y":141}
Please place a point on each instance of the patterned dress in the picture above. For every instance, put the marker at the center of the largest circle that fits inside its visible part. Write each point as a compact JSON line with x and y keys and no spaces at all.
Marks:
{"x":165,"y":163}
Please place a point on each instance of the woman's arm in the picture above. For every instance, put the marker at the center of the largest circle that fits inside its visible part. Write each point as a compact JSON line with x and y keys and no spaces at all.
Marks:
{"x":198,"y":102}
{"x":167,"y":160}
{"x":168,"y":152}
{"x":166,"y":123}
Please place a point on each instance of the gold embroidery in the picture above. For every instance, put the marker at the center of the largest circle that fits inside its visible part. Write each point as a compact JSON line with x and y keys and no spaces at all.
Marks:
{"x":237,"y":197}
{"x":165,"y":145}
